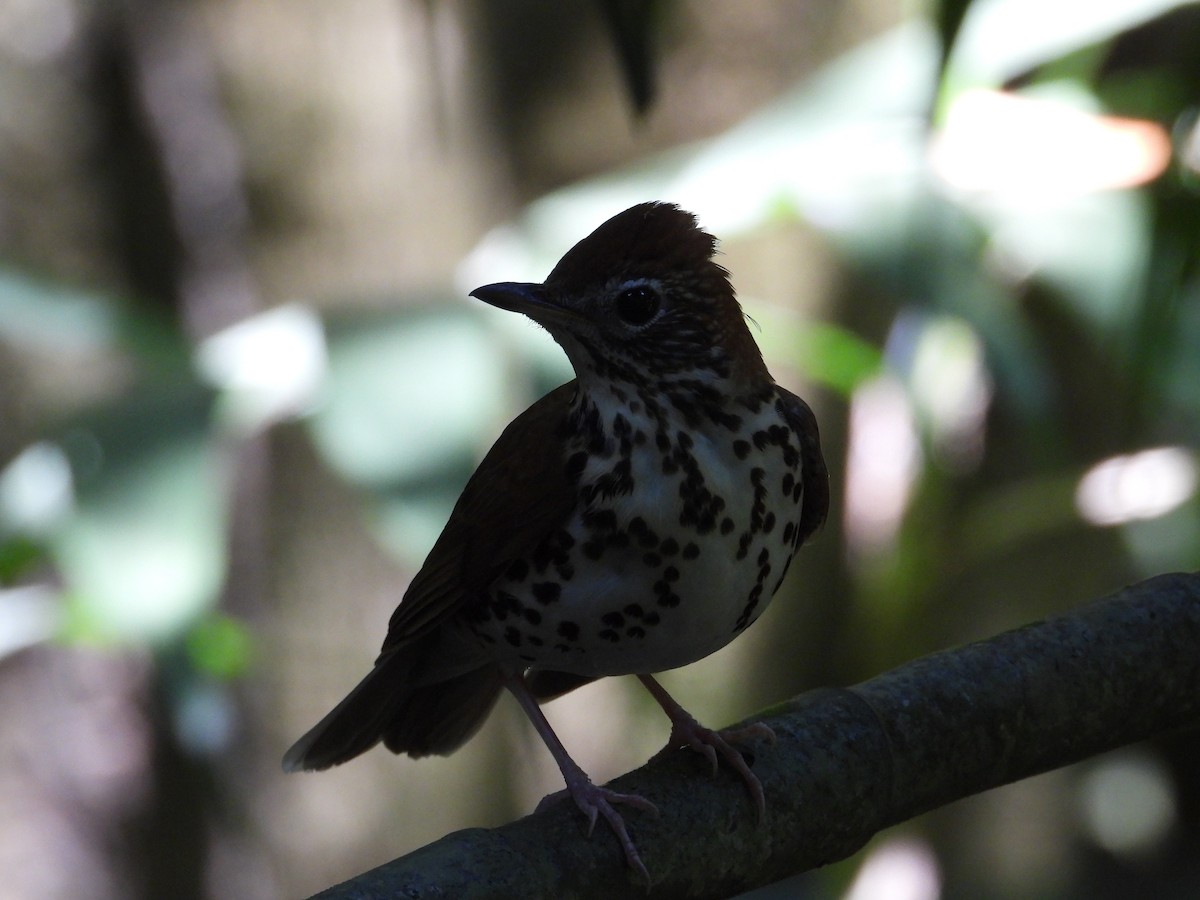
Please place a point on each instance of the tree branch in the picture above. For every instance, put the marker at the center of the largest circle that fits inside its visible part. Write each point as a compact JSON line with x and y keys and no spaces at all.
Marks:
{"x":849,"y":762}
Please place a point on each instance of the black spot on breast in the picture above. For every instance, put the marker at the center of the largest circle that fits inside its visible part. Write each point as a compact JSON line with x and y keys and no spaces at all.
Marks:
{"x":642,"y":533}
{"x":741,"y":449}
{"x":608,"y":635}
{"x":634,"y":611}
{"x":690,"y":550}
{"x":615,"y":619}
{"x":568,"y":630}
{"x":751,"y":604}
{"x":503,"y":604}
{"x":512,"y":636}
{"x":666,"y":597}
{"x":600,"y":519}
{"x":547,"y":592}
{"x":754,"y":404}
{"x":743,"y":545}
{"x":669,"y":547}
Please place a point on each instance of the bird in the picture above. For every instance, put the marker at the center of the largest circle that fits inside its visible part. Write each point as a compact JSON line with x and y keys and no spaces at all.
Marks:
{"x":634,"y":520}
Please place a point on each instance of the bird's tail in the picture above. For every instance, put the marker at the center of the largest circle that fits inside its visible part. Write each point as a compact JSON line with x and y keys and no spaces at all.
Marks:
{"x":386,"y":706}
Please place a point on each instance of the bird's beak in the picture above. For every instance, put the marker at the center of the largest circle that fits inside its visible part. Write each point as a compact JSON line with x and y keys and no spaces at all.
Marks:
{"x":532,"y":300}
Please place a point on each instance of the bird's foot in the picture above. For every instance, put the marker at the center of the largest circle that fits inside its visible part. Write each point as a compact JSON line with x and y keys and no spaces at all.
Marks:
{"x":717,"y":745}
{"x":595,"y":802}
{"x":713,"y":745}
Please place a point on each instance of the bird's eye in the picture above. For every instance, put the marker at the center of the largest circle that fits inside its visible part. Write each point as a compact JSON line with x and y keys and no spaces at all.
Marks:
{"x":637,"y":305}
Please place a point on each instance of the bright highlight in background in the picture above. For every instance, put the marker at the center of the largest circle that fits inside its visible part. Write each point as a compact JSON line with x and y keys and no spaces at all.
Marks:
{"x":903,"y":869}
{"x":1142,"y":485}
{"x":1000,"y":142}
{"x":270,"y":365}
{"x":883,"y":461}
{"x":36,"y":489}
{"x":1127,"y":803}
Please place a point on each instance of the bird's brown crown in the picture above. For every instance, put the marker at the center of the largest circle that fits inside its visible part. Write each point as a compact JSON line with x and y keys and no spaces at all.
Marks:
{"x":647,"y":293}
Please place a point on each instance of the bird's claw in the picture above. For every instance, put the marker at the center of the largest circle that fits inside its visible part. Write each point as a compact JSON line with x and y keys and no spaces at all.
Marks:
{"x":594,"y":802}
{"x":715,"y":745}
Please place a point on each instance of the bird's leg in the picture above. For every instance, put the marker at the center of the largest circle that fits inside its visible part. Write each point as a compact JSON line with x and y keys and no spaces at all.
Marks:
{"x":592,"y":801}
{"x":687,"y":732}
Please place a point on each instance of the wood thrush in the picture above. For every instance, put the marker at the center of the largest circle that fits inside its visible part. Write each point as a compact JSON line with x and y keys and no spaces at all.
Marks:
{"x":635,"y":519}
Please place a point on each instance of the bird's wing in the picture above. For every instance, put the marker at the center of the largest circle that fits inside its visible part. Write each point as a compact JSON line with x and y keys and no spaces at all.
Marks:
{"x":519,"y":495}
{"x":813,"y":474}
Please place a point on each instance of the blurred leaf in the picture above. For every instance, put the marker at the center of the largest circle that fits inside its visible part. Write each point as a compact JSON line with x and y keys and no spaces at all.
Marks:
{"x":948,"y":18}
{"x":826,"y":353}
{"x":1092,"y":248}
{"x":631,"y":23}
{"x":143,"y":554}
{"x":35,"y":491}
{"x":53,"y":317}
{"x":1166,"y":543}
{"x":18,"y":555}
{"x":407,"y":395}
{"x":268,"y":367}
{"x":1002,"y":39}
{"x":411,"y":401}
{"x":220,"y":646}
{"x":28,"y":615}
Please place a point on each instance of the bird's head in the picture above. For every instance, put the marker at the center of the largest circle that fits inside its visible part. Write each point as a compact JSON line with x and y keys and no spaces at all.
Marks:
{"x":640,"y":300}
